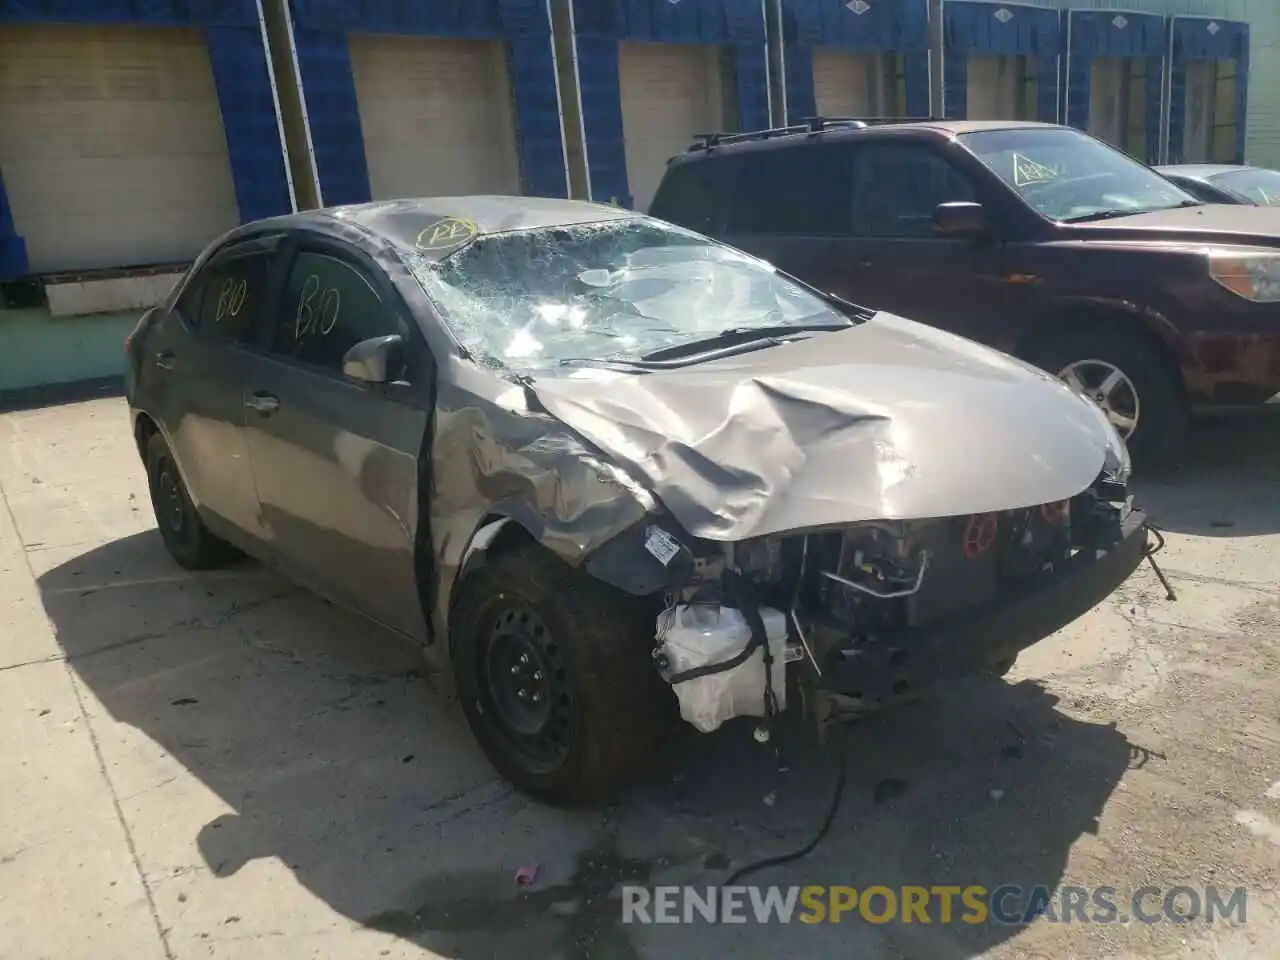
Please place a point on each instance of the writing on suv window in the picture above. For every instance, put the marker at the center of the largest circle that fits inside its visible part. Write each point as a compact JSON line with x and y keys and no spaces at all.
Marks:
{"x":1070,"y":177}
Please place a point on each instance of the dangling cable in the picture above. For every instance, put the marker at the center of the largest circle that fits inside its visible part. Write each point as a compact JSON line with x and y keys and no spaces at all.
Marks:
{"x":1150,"y":553}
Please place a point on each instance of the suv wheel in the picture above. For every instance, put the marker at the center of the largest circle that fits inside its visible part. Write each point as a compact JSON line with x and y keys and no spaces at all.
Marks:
{"x":1130,"y":382}
{"x":555,"y":674}
{"x":185,"y":536}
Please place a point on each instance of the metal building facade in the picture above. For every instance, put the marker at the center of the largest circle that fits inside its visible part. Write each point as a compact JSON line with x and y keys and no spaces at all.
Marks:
{"x":323,"y":34}
{"x":233,"y":34}
{"x":629,"y":53}
{"x":811,"y":28}
{"x":979,"y":30}
{"x":1209,"y":42}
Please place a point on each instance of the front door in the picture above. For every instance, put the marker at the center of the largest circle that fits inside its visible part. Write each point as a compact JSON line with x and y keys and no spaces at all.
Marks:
{"x":900,"y":264}
{"x":336,"y":460}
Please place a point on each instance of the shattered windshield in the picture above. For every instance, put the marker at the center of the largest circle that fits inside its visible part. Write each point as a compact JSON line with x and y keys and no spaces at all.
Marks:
{"x":614,"y":289}
{"x":1072,"y":178}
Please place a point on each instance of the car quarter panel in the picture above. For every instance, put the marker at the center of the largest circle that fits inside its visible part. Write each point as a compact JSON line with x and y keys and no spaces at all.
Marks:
{"x":1222,"y":343}
{"x":496,"y":454}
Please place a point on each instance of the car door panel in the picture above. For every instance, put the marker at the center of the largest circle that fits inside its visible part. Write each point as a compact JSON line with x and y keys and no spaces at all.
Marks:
{"x":196,"y":358}
{"x":336,"y":461}
{"x":900,"y":264}
{"x":336,"y":466}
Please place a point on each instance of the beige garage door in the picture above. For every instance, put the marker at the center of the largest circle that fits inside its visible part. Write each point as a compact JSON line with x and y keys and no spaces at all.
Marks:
{"x":670,"y":93}
{"x":1002,"y":88}
{"x":111,"y":145}
{"x":842,"y":83}
{"x":437,"y":115}
{"x":850,"y":84}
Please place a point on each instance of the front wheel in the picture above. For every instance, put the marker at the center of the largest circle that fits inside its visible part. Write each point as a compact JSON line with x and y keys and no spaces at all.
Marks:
{"x":555,"y":674}
{"x":1130,"y":381}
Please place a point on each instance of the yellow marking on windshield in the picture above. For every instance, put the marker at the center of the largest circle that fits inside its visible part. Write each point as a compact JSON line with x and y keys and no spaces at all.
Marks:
{"x":1027,"y":171}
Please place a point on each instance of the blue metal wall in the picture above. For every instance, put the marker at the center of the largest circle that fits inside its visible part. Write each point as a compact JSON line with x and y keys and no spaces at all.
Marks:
{"x":600,"y":25}
{"x":1201,"y":38}
{"x":234,"y":37}
{"x":974,"y":27}
{"x":882,"y":26}
{"x":321,"y":28}
{"x":1110,"y":33}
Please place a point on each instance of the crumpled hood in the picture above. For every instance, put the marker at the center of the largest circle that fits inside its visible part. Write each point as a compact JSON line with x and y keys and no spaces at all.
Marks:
{"x":887,"y":420}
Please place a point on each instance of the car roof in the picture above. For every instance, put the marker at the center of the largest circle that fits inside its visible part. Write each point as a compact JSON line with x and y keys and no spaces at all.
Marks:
{"x":787,"y":137}
{"x":1201,"y":171}
{"x":435,"y":227}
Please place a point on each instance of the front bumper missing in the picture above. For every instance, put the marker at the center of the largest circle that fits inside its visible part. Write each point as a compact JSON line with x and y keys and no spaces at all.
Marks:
{"x":902,"y":664}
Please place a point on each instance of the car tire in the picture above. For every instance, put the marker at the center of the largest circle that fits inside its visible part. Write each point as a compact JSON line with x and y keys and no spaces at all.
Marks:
{"x":185,"y":536}
{"x":1159,"y":438}
{"x":593,"y":708}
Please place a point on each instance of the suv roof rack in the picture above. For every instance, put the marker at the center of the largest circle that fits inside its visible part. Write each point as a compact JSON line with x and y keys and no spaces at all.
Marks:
{"x":810,"y":125}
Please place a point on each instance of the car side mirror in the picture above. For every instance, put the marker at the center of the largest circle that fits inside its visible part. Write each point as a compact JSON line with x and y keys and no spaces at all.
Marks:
{"x":370,"y":361}
{"x":962,"y":218}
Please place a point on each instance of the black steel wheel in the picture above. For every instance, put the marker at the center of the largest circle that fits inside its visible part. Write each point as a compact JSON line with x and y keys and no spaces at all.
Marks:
{"x":556,"y":677}
{"x":526,"y":687}
{"x":185,"y":536}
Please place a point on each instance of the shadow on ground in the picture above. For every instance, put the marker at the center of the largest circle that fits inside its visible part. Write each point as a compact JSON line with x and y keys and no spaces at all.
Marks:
{"x":1227,"y":486}
{"x":327,"y":741}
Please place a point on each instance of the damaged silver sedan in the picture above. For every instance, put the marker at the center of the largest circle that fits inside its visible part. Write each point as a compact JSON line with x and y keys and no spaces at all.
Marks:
{"x":605,"y":469}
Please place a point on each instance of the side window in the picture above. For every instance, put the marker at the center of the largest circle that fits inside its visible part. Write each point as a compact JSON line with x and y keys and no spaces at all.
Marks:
{"x":327,"y":308}
{"x":898,"y":187}
{"x":798,"y":191}
{"x":688,"y":196}
{"x":189,"y":303}
{"x":231,"y":291}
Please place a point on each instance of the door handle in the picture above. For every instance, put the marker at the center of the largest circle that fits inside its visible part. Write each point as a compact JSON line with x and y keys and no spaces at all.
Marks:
{"x":166,"y":360}
{"x":262,"y":402}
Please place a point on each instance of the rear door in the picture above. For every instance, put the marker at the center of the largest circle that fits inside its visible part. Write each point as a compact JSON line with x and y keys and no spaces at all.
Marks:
{"x":193,"y":376}
{"x":335,"y":460}
{"x":793,"y":207}
{"x":900,"y":264}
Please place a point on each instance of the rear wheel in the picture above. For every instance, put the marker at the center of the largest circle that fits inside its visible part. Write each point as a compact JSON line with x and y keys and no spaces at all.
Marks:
{"x":185,"y":536}
{"x":556,"y":676}
{"x":1130,"y":381}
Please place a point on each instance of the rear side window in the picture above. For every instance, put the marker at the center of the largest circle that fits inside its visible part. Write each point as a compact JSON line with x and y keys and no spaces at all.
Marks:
{"x":898,"y":187}
{"x":231,"y":292}
{"x":688,"y":196}
{"x":798,"y":191}
{"x":328,"y":307}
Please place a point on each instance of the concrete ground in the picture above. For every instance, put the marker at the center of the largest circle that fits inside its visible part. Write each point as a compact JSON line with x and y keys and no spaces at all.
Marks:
{"x":223,"y":766}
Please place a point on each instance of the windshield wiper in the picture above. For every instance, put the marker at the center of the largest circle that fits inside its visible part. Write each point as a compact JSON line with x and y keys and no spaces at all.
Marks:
{"x":1112,"y":214}
{"x":647,"y":364}
{"x":732,"y":337}
{"x":1102,"y":215}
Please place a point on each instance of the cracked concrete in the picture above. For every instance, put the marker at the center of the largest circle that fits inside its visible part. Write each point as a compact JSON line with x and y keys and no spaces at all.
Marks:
{"x":221,"y":765}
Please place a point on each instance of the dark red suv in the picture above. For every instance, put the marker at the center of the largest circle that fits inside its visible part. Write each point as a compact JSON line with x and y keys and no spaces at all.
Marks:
{"x":1034,"y":238}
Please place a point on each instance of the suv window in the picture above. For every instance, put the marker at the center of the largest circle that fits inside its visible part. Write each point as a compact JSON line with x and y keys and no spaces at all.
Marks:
{"x":328,"y":307}
{"x":227,"y":296}
{"x":804,"y":190}
{"x":899,"y":185}
{"x":688,"y":196}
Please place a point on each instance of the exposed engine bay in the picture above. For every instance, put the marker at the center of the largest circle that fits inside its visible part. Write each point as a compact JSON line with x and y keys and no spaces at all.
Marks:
{"x":856,"y":618}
